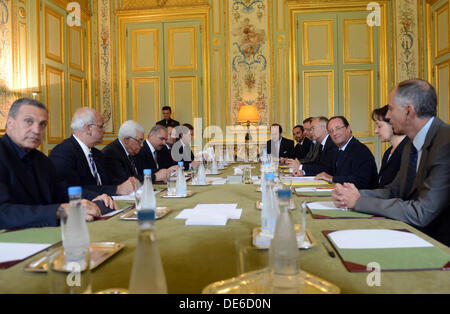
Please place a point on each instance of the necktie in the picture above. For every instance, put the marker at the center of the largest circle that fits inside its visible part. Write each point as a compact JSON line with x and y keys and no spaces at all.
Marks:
{"x":94,"y":169}
{"x":411,"y":175}
{"x":133,"y":165}
{"x":155,"y":159}
{"x":339,"y":157}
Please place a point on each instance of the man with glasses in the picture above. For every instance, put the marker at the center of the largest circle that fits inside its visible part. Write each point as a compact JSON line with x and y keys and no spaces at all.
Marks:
{"x":155,"y":155}
{"x":120,"y":154}
{"x":354,"y":162}
{"x":79,"y":163}
{"x":323,"y":153}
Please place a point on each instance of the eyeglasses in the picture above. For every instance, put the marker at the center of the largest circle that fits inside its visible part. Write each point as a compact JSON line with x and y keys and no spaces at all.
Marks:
{"x":100,"y":126}
{"x":140,"y":141}
{"x":335,"y":129}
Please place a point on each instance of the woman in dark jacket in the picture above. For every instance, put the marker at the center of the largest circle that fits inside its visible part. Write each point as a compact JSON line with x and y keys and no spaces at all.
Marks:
{"x":393,"y":155}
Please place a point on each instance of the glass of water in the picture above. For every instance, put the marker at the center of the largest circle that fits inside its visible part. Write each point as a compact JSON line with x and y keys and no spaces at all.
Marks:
{"x":138,"y":193}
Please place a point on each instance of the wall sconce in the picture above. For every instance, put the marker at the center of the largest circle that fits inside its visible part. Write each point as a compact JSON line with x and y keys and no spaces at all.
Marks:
{"x":248,"y":114}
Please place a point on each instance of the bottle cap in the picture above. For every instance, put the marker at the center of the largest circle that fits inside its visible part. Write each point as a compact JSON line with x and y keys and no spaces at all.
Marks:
{"x":147,"y":171}
{"x":284,"y":193}
{"x":270,"y":176}
{"x":74,"y":190}
{"x":180,"y":163}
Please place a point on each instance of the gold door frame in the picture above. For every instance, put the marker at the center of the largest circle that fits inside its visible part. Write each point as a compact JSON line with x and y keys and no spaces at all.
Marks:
{"x":124,"y":17}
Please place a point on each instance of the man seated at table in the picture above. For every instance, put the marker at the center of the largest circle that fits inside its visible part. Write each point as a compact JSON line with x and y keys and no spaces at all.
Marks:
{"x":79,"y":163}
{"x":279,"y":146}
{"x":181,"y":150}
{"x":304,"y":144}
{"x":155,"y":155}
{"x":119,"y":155}
{"x":420,"y":193}
{"x":325,"y":151}
{"x":30,"y":194}
{"x":354,"y":162}
{"x":172,"y":137}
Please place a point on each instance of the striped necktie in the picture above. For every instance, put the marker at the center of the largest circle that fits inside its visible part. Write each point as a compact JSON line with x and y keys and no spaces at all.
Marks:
{"x":133,"y":165}
{"x":94,"y":169}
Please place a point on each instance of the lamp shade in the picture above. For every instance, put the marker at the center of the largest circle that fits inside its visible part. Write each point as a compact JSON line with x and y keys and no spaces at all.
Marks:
{"x":248,"y":113}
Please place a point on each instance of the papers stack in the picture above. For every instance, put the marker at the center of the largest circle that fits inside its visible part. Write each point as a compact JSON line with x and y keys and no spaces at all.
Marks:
{"x":323,"y":206}
{"x":12,"y":252}
{"x":306,"y":181}
{"x":216,"y":180}
{"x":313,"y":189}
{"x":210,"y":214}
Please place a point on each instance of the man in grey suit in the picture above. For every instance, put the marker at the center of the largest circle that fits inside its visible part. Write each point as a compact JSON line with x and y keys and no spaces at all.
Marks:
{"x":420,"y":193}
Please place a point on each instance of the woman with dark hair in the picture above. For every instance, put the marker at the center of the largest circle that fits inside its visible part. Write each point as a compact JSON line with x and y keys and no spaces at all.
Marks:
{"x":393,"y":155}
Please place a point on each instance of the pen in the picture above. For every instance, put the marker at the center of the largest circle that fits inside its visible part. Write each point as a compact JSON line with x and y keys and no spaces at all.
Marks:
{"x":329,"y":250}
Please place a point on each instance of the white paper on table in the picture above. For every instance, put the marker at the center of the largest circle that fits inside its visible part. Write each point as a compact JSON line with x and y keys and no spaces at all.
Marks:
{"x":218,"y":181}
{"x":323,"y":206}
{"x":129,"y":197}
{"x":312,"y":189}
{"x":207,"y":211}
{"x":310,"y":178}
{"x":19,"y":251}
{"x":376,"y":239}
{"x":210,"y":221}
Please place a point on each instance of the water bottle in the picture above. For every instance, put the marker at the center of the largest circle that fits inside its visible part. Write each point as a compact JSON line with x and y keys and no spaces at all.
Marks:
{"x":283,"y":252}
{"x":75,"y":235}
{"x":269,"y":212}
{"x":146,"y":214}
{"x":264,"y":170}
{"x":201,"y":173}
{"x":181,"y":181}
{"x":147,"y":273}
{"x":213,"y":164}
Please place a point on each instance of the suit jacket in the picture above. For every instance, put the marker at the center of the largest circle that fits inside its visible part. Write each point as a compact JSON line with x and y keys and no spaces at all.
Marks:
{"x":426,"y":205}
{"x":301,"y":150}
{"x":144,"y":160}
{"x":312,"y":154}
{"x":185,"y":156}
{"x":73,"y":168}
{"x":324,"y":161}
{"x":118,"y":164}
{"x":24,"y":203}
{"x":170,"y":122}
{"x":286,"y":148}
{"x":389,"y":168}
{"x":357,"y":166}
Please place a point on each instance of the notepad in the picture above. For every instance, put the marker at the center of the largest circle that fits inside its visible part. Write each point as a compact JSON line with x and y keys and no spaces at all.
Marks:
{"x":323,"y":206}
{"x":19,"y":251}
{"x":210,"y":214}
{"x":392,"y":250}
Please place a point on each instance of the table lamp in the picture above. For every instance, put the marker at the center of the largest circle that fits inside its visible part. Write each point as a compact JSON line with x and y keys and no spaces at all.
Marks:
{"x":248,"y":114}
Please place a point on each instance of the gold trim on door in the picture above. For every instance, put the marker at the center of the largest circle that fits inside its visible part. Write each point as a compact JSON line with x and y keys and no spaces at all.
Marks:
{"x":134,"y":85}
{"x":79,"y":30}
{"x":134,"y":49}
{"x":439,"y":67}
{"x":192,"y":66}
{"x":79,"y":79}
{"x":193,"y":81}
{"x":60,"y":17}
{"x":329,"y":74}
{"x":370,"y":89}
{"x":439,"y":53}
{"x":329,"y":53}
{"x":51,"y":139}
{"x":369,"y":42}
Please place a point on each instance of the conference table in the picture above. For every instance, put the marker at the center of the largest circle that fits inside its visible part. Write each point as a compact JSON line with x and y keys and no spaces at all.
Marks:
{"x":195,"y":256}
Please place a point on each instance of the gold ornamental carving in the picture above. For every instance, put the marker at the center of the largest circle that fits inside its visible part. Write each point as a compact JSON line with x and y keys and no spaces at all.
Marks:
{"x":155,"y":4}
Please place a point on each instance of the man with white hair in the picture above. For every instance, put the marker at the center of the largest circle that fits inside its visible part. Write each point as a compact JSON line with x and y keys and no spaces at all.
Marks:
{"x":79,"y":163}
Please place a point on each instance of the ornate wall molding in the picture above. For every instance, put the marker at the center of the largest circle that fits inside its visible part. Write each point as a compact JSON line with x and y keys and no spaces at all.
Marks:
{"x":155,"y":4}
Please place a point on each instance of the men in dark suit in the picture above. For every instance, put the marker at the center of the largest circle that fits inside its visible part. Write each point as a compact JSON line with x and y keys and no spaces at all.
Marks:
{"x":303,"y":143}
{"x":323,"y":154}
{"x":78,"y":162}
{"x":420,"y":193}
{"x":278,"y":146}
{"x":119,"y":155}
{"x":167,"y":120}
{"x":155,"y":155}
{"x":181,"y":150}
{"x":30,"y":194}
{"x":354,"y":162}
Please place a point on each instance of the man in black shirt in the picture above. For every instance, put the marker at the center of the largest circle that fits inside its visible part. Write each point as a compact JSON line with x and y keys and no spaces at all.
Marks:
{"x":167,"y":121}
